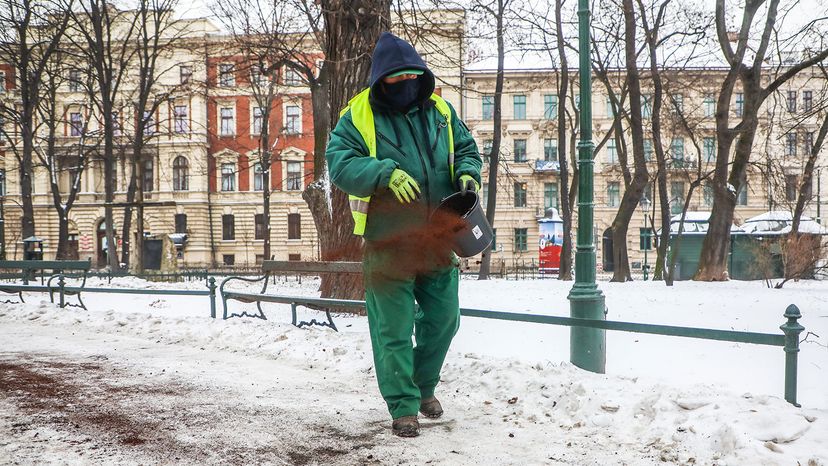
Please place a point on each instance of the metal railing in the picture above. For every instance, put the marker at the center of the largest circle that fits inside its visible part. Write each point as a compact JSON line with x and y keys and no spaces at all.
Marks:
{"x":788,"y":340}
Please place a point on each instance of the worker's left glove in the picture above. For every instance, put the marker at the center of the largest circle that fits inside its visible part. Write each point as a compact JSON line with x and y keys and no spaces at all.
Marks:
{"x":467,"y":183}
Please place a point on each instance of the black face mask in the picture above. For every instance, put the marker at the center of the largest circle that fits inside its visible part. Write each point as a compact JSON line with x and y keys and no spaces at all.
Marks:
{"x":401,"y":95}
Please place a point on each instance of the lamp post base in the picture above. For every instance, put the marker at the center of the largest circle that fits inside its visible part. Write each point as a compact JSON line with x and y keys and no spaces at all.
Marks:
{"x":587,"y":346}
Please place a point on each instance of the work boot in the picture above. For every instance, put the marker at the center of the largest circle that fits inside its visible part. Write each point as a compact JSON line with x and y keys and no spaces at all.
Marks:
{"x":406,"y":426}
{"x":430,"y":407}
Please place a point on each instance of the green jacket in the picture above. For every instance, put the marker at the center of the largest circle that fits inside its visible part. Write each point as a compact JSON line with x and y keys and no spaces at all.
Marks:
{"x":401,"y":143}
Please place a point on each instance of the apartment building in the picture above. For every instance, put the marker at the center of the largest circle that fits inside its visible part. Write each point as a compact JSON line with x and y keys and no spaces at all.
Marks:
{"x":529,"y":176}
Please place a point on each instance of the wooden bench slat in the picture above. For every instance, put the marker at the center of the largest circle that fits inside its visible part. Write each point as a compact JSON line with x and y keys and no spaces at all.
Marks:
{"x":311,"y":267}
{"x":40,"y":265}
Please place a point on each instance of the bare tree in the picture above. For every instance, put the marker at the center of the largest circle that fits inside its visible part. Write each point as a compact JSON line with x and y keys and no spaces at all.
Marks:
{"x":30,"y":33}
{"x":156,"y":33}
{"x":64,"y":163}
{"x":106,"y":34}
{"x":747,"y":63}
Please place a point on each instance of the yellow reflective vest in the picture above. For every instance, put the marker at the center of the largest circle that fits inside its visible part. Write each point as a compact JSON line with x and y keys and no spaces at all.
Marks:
{"x":362,"y":116}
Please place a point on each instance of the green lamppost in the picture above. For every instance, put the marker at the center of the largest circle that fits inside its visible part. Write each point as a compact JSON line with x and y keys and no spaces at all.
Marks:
{"x":588,"y":346}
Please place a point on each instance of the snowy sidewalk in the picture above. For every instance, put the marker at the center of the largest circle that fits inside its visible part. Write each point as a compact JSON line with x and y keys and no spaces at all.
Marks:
{"x":135,"y":387}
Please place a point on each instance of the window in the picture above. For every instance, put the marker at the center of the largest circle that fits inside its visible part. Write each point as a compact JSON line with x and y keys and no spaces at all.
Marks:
{"x":228,"y":227}
{"x":612,"y":151}
{"x":293,"y":119}
{"x":791,"y":187}
{"x":521,"y":242}
{"x":677,"y":150}
{"x":2,"y":82}
{"x":75,"y":81}
{"x":741,"y":196}
{"x":550,"y":106}
{"x":228,"y":259}
{"x":488,"y":107}
{"x":185,"y":72}
{"x":790,"y":144}
{"x":520,"y":194}
{"x":149,"y":123}
{"x":484,"y":197}
{"x":578,"y":101}
{"x":707,"y":194}
{"x":807,"y":101}
{"x":646,"y":105}
{"x":740,"y":104}
{"x":550,"y":149}
{"x":809,"y":142}
{"x":493,"y":247}
{"x":116,"y":123}
{"x":75,"y":124}
{"x":791,"y":101}
{"x":2,"y":181}
{"x":294,"y":226}
{"x":257,"y":78}
{"x":613,"y":194}
{"x":550,"y":195}
{"x":149,"y":175}
{"x":678,"y":103}
{"x":610,"y":110}
{"x":228,"y":125}
{"x":258,"y":178}
{"x":181,"y":174}
{"x":181,"y":223}
{"x":487,"y":149}
{"x":676,"y":197}
{"x":258,"y":115}
{"x":294,"y":176}
{"x":648,"y":150}
{"x":645,"y":239}
{"x":2,"y":122}
{"x":519,"y":107}
{"x":709,"y":148}
{"x":292,"y":77}
{"x":182,"y":122}
{"x":258,"y":221}
{"x":520,"y":150}
{"x":228,"y":177}
{"x":226,"y":78}
{"x":294,"y":257}
{"x":709,"y":105}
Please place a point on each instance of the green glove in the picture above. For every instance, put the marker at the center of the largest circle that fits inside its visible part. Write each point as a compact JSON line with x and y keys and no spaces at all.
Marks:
{"x":467,"y":183}
{"x":404,"y":187}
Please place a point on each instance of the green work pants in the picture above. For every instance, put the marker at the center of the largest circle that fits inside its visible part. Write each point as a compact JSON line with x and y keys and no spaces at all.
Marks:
{"x":406,"y":372}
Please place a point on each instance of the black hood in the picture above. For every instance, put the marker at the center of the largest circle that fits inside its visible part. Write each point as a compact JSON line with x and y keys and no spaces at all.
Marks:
{"x":393,"y":54}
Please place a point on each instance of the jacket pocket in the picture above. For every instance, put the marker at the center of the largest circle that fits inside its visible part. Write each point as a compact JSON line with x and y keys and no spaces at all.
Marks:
{"x":391,"y":143}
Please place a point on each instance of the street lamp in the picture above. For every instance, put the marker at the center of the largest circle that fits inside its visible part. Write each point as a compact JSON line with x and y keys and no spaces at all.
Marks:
{"x":645,"y":207}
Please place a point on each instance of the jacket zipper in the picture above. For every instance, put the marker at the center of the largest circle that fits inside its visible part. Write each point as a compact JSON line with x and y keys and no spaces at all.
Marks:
{"x":422,"y":163}
{"x":437,"y":138}
{"x":393,"y":144}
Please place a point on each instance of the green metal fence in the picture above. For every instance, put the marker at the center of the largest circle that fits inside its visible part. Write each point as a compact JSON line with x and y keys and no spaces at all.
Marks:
{"x":788,"y":339}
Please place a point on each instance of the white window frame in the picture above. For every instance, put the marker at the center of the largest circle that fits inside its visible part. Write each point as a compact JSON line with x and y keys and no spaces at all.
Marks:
{"x":294,"y":183}
{"x":231,"y":128}
{"x":181,"y":125}
{"x":293,"y":128}
{"x":228,"y":177}
{"x":256,"y":120}
{"x":226,"y":75}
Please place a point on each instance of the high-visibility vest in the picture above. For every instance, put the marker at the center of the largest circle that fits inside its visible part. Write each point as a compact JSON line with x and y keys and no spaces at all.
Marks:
{"x":363,"y":118}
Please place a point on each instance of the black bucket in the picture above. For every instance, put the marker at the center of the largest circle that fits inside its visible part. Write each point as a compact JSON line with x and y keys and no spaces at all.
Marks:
{"x":460,"y":218}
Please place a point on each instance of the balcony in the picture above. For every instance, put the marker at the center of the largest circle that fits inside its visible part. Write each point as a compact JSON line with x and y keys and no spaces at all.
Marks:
{"x":546,"y":166}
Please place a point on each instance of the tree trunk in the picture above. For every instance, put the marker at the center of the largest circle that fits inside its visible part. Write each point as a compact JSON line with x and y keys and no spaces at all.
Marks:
{"x":352,"y":28}
{"x":494,"y":156}
{"x":635,"y":187}
{"x":565,"y":269}
{"x":130,"y":199}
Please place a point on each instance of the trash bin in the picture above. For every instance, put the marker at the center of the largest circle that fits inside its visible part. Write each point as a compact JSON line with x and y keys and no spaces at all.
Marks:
{"x":33,"y":249}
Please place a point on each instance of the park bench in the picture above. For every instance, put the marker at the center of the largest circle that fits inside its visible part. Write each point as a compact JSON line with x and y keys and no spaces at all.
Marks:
{"x":26,"y":270}
{"x":271,"y":268}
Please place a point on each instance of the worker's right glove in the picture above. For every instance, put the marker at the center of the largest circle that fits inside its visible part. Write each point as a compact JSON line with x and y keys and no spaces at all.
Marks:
{"x":467,"y":183}
{"x":403,"y":186}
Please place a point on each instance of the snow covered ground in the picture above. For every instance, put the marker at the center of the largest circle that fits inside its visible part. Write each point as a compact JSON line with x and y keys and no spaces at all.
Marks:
{"x":148,"y":379}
